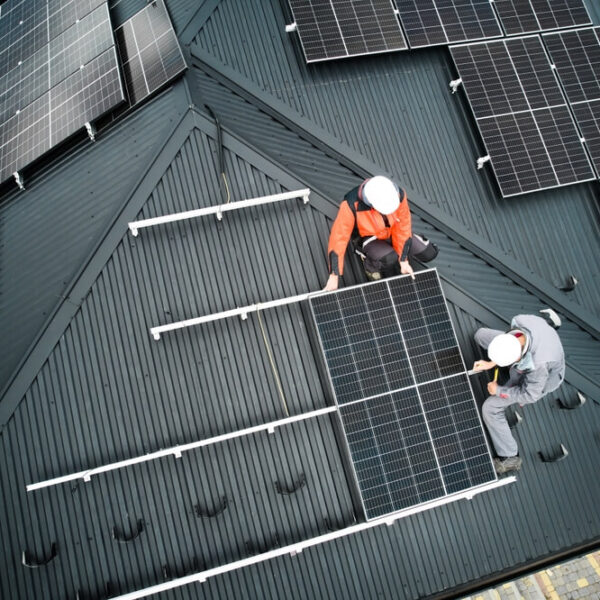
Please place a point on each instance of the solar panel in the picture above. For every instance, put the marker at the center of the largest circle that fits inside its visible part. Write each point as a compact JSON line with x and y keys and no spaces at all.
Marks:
{"x":530,"y":16}
{"x":331,"y":29}
{"x":576,"y":55}
{"x":62,"y":14}
{"x":85,"y":95}
{"x":24,"y":137}
{"x":59,"y":71}
{"x":522,"y":114}
{"x":149,"y":50}
{"x":434,"y":22}
{"x":79,"y":44}
{"x":406,"y":405}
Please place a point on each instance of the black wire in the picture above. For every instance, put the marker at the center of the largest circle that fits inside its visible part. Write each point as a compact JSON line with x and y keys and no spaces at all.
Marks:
{"x":220,"y":155}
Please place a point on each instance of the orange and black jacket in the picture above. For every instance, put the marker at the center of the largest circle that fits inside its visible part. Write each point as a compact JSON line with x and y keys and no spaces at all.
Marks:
{"x":354,"y":215}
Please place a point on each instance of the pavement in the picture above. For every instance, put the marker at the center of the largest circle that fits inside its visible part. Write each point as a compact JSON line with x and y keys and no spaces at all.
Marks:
{"x":577,"y":579}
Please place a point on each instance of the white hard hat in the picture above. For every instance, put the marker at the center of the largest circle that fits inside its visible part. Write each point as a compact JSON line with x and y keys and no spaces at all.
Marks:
{"x":504,"y":349}
{"x":382,"y":194}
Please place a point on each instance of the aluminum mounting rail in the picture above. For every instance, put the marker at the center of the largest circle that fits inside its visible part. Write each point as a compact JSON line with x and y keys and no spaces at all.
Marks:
{"x":176,"y":451}
{"x":297,"y":548}
{"x":134,"y":226}
{"x":234,"y":312}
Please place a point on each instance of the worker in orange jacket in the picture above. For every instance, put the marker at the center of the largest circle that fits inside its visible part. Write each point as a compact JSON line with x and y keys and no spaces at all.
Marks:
{"x":375,"y":215}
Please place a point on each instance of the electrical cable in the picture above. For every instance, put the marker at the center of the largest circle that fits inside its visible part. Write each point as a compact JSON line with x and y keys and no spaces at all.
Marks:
{"x":273,"y":366}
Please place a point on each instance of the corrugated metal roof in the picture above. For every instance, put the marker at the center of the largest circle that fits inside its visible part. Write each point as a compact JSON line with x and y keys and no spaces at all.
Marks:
{"x":97,"y":388}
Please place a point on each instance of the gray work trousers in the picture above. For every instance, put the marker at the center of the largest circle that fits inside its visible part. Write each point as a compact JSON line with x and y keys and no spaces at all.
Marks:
{"x":493,"y":410}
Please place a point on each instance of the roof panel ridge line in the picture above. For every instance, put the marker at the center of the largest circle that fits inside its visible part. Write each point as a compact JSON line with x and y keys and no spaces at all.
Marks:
{"x":265,"y":163}
{"x":177,"y":451}
{"x":57,"y":321}
{"x":197,"y":21}
{"x":298,"y":547}
{"x":361,"y":165}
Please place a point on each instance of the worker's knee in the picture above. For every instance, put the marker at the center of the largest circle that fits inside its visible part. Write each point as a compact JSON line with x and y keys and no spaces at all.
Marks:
{"x":389,"y":260}
{"x":490,"y":411}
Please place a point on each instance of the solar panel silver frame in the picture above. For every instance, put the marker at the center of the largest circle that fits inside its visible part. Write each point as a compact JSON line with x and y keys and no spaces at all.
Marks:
{"x":459,"y":494}
{"x":566,"y":103}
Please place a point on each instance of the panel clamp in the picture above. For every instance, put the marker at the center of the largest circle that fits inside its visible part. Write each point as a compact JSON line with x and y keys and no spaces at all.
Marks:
{"x":291,"y":27}
{"x":482,"y":160}
{"x":454,"y":84}
{"x":19,"y":180}
{"x":91,"y":131}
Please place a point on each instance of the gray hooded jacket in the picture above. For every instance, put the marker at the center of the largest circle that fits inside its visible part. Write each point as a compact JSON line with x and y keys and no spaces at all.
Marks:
{"x":542,"y":368}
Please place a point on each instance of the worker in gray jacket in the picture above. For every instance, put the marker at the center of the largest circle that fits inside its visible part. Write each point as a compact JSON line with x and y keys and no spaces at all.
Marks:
{"x":537,"y":367}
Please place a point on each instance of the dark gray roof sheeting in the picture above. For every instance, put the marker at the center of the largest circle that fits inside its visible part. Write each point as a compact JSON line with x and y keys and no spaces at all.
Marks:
{"x":96,"y":388}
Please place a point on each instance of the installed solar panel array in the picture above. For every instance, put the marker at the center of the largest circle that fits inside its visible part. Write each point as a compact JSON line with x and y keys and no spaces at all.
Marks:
{"x":149,"y":50}
{"x":576,"y":55}
{"x":525,"y":123}
{"x":58,"y":71}
{"x":407,"y":408}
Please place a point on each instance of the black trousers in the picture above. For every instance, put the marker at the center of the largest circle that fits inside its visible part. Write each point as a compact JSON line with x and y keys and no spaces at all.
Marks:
{"x":380,"y":257}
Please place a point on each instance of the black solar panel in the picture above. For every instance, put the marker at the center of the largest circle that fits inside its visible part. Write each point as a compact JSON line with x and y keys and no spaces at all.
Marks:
{"x":522,"y":114}
{"x":79,"y":44}
{"x":576,"y":55}
{"x":331,"y":29}
{"x":149,"y":50}
{"x":24,"y":137}
{"x":50,"y":49}
{"x":62,"y":14}
{"x":529,"y":16}
{"x":406,"y":405}
{"x":85,"y":95}
{"x":434,"y":22}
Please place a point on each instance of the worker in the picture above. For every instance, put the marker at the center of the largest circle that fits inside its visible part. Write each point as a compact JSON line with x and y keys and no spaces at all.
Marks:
{"x":535,"y":355}
{"x":375,"y":215}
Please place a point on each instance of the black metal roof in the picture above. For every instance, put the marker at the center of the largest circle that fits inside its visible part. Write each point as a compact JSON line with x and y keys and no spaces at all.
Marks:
{"x":86,"y":385}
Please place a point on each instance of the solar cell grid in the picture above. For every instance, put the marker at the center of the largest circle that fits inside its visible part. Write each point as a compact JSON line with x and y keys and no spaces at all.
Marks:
{"x":80,"y":43}
{"x":434,"y":22}
{"x":341,"y":28}
{"x":85,"y":95}
{"x":587,"y":115}
{"x":409,"y":418}
{"x":23,"y":84}
{"x":530,"y":16}
{"x":576,"y":55}
{"x":62,"y":14}
{"x":149,"y":50}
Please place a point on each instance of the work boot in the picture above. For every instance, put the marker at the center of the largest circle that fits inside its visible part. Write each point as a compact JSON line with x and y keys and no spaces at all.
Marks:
{"x":376,"y":276}
{"x":504,"y":465}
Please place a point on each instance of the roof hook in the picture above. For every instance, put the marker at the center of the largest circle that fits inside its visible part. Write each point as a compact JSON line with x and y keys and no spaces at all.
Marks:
{"x":205,"y":513}
{"x":571,"y":405}
{"x":570,"y":284}
{"x":288,"y":491}
{"x":34,"y":563}
{"x":551,"y":317}
{"x":118,"y":536}
{"x":555,"y":455}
